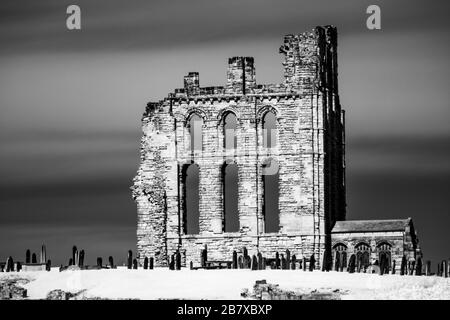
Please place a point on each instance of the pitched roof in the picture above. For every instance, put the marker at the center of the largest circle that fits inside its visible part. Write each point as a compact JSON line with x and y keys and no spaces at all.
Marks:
{"x":352,"y":226}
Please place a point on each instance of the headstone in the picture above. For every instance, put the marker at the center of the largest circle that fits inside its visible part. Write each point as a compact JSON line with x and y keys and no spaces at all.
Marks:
{"x":403,"y":266}
{"x":247,"y":262}
{"x":428,"y":268}
{"x":77,"y":258}
{"x":277,"y":260}
{"x":9,"y":264}
{"x":419,"y":267}
{"x":241,"y":262}
{"x":178,"y":260}
{"x":203,"y":257}
{"x":352,"y":264}
{"x":245,"y":252}
{"x":81,"y":259}
{"x":235,"y":263}
{"x":288,"y":259}
{"x":48,"y":266}
{"x":312,"y":263}
{"x":145,"y":263}
{"x":130,"y":259}
{"x":260,"y":262}
{"x":448,"y":267}
{"x":74,"y":249}
{"x":43,"y":254}
{"x":413,"y":267}
{"x":254,"y":263}
{"x":444,"y":269}
{"x":172,"y":262}
{"x":28,"y":256}
{"x":135,"y":264}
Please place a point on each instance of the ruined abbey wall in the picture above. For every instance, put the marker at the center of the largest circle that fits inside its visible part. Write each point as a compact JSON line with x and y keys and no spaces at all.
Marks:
{"x":309,"y":152}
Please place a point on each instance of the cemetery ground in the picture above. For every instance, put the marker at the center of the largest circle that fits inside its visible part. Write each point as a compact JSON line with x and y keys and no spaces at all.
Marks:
{"x":227,"y":284}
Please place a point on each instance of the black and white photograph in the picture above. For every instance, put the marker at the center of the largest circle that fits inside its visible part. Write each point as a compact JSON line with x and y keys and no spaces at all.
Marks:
{"x":237,"y":150}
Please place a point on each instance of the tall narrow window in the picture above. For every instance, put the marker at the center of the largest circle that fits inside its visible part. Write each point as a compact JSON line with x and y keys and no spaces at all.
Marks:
{"x":269,"y":130}
{"x":191,"y":199}
{"x":230,"y":197}
{"x":195,"y":131}
{"x":271,"y":211}
{"x":229,"y":131}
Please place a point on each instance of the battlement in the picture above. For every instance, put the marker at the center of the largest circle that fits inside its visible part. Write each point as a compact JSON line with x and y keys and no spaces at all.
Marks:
{"x":309,"y":58}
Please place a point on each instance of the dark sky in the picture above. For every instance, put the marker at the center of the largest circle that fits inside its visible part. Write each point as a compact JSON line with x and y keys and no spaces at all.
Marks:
{"x":71,"y":103}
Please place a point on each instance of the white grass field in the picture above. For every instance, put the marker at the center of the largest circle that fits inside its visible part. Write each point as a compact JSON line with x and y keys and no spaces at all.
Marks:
{"x":226,"y":284}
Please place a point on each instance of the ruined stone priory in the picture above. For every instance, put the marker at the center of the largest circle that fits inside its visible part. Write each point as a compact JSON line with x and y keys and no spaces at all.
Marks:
{"x":258,"y":168}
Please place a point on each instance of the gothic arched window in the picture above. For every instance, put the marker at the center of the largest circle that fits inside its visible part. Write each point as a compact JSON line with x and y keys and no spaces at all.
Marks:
{"x":230,"y":197}
{"x":271,"y":212}
{"x":191,"y":208}
{"x":362,"y":256}
{"x":229,"y":131}
{"x":269,"y":130}
{"x":195,"y":131}
{"x":340,"y":256}
{"x":384,"y":256}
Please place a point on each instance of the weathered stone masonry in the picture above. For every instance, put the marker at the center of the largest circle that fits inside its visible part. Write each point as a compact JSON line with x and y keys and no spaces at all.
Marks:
{"x":309,"y":152}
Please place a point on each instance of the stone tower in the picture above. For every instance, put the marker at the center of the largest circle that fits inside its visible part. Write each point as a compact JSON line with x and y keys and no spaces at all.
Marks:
{"x":309,"y":153}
